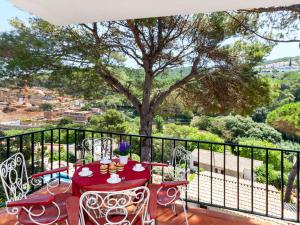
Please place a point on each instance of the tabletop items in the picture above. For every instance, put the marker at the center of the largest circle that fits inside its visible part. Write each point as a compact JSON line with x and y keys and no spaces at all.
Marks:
{"x":138,"y":168}
{"x":97,"y":174}
{"x":85,"y":172}
{"x":114,"y":179}
{"x":112,"y":168}
{"x":103,"y":169}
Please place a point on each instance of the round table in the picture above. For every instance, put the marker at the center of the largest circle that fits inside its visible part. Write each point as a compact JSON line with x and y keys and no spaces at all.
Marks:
{"x":97,"y":181}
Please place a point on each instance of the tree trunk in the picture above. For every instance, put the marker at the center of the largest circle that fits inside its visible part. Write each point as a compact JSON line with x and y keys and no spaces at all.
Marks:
{"x":146,"y":129}
{"x":291,"y":179}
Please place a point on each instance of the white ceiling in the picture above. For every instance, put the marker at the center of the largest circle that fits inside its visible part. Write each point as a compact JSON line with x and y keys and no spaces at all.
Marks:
{"x":63,"y":12}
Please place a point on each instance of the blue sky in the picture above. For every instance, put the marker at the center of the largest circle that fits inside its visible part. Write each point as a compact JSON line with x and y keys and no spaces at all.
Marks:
{"x":8,"y":11}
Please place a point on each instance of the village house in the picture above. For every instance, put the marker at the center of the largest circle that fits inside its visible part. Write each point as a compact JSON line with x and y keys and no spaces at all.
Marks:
{"x":53,"y":114}
{"x":8,"y":96}
{"x":218,"y":163}
{"x":78,"y":116}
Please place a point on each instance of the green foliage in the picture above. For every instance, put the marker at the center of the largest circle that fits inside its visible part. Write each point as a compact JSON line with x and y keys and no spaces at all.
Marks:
{"x":286,"y":88}
{"x":201,"y":122}
{"x":187,"y":132}
{"x":159,"y":123}
{"x":259,"y":154}
{"x":274,"y":177}
{"x":259,"y":115}
{"x":252,"y":92}
{"x":234,"y":127}
{"x":110,"y":102}
{"x":64,"y":121}
{"x":289,"y":145}
{"x":286,"y":119}
{"x":46,"y":107}
{"x":63,"y":155}
{"x":112,"y":120}
{"x":274,"y":162}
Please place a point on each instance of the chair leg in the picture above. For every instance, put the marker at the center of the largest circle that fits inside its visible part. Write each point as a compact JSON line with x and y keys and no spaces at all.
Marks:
{"x":185,"y":212}
{"x":174,"y":209}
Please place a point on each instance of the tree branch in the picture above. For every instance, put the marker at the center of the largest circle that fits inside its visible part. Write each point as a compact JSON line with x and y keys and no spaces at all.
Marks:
{"x":259,"y":35}
{"x":117,"y":86}
{"x":163,"y":95}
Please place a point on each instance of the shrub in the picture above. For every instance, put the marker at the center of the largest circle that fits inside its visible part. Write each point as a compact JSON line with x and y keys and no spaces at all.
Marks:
{"x":201,"y":122}
{"x":260,"y":115}
{"x":159,"y":123}
{"x":112,"y":120}
{"x":234,"y":127}
{"x":64,"y":121}
{"x":192,"y":133}
{"x":260,"y":153}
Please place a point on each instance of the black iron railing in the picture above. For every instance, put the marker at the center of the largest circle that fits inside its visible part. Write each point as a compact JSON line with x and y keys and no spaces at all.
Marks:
{"x":229,"y":190}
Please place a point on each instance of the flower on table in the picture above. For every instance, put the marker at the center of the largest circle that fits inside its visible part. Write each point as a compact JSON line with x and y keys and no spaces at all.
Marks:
{"x":124,"y":148}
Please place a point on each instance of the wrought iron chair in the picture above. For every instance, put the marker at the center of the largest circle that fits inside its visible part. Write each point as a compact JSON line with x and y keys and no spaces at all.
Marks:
{"x":96,"y":148}
{"x":128,"y":207}
{"x":34,"y":209}
{"x":168,"y":192}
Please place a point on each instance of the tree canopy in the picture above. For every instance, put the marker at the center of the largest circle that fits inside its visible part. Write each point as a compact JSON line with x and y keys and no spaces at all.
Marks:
{"x":286,"y":119}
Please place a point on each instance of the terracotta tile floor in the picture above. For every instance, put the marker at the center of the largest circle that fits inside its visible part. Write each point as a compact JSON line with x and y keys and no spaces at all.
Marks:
{"x":196,"y":216}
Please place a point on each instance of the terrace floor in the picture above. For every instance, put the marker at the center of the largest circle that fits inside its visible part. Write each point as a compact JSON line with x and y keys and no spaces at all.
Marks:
{"x":197,"y":216}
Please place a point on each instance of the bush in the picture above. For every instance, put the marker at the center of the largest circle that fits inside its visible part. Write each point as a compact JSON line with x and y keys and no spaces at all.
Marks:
{"x":274,"y":162}
{"x":232,"y":128}
{"x":159,"y":123}
{"x":260,"y":153}
{"x":64,"y":121}
{"x":201,"y":122}
{"x":112,"y":120}
{"x":260,"y":115}
{"x":274,"y":177}
{"x":185,"y":115}
{"x":187,"y":132}
{"x":46,"y":107}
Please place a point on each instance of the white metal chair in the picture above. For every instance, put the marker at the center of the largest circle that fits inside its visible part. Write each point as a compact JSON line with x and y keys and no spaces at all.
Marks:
{"x":168,"y":192}
{"x":121,"y":207}
{"x":98,"y":149}
{"x":44,"y":209}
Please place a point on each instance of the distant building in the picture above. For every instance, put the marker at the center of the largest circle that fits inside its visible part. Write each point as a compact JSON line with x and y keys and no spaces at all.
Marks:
{"x":7,"y":95}
{"x":230,"y":163}
{"x":96,"y":111}
{"x":78,"y":116}
{"x":53,"y":114}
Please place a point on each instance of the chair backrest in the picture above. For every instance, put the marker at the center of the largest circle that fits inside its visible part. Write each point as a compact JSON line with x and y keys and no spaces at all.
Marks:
{"x":14,"y":177}
{"x":120,"y":207}
{"x":97,"y":148}
{"x":181,"y":162}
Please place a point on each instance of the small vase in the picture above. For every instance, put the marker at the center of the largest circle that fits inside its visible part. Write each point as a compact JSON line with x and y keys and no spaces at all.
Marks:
{"x":123,"y":159}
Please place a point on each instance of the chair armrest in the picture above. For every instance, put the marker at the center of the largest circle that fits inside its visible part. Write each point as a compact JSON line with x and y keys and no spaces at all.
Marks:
{"x":72,"y":205}
{"x":155,"y":164}
{"x":32,"y":201}
{"x":62,"y":169}
{"x":174,"y":183}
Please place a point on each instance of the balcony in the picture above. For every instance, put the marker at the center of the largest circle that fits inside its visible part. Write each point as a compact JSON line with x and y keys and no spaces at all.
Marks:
{"x":215,"y":189}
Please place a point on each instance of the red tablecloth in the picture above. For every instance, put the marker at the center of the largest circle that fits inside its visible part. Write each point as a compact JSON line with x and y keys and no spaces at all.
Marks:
{"x":98,"y":181}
